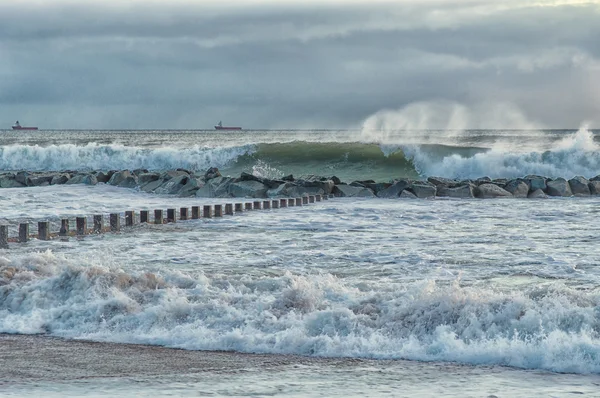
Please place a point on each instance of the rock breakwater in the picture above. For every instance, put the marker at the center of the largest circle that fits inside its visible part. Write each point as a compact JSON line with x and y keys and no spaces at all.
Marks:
{"x":212,"y":184}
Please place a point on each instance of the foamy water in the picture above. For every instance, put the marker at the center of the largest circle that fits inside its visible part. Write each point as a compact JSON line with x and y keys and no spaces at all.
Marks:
{"x":480,"y":284}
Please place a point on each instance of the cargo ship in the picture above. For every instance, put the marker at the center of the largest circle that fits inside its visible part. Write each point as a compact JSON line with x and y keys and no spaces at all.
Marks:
{"x":17,"y":126}
{"x":221,"y":127}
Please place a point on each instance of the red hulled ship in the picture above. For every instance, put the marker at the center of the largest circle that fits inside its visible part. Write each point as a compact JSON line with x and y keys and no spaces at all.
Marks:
{"x":17,"y":126}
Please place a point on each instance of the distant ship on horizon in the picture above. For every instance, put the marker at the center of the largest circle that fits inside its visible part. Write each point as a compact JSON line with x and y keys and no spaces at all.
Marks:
{"x":17,"y":126}
{"x":220,"y":126}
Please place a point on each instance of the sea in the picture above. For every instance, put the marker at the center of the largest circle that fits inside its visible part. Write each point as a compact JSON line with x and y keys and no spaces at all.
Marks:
{"x":350,"y":297}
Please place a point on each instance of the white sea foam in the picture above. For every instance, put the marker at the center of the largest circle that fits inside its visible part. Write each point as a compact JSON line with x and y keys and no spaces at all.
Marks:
{"x":576,"y":154}
{"x":94,"y":156}
{"x":321,"y":315}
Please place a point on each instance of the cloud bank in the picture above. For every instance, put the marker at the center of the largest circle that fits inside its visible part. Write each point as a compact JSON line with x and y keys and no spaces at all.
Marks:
{"x":311,"y":64}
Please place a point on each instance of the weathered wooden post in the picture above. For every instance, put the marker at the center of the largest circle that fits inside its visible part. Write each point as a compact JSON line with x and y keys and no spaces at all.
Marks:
{"x":129,"y":218}
{"x":229,"y":209}
{"x":144,"y":216}
{"x":171,"y":215}
{"x":158,"y":216}
{"x":4,"y":236}
{"x":44,"y":230}
{"x":218,"y":210}
{"x":207,"y":211}
{"x":318,"y":197}
{"x":311,"y":198}
{"x":64,"y":227}
{"x":98,"y":223}
{"x":248,"y":206}
{"x":195,"y":212}
{"x":325,"y":197}
{"x":291,"y":202}
{"x":266,"y":204}
{"x":298,"y":201}
{"x":239,"y":207}
{"x":115,"y":222}
{"x":183,"y":213}
{"x":305,"y":200}
{"x":275,"y":204}
{"x":283,"y":203}
{"x":23,"y":232}
{"x":257,"y":205}
{"x":81,"y":225}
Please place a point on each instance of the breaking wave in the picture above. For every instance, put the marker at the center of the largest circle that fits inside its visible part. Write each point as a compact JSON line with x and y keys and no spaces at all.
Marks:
{"x":571,"y":154}
{"x":553,"y":327}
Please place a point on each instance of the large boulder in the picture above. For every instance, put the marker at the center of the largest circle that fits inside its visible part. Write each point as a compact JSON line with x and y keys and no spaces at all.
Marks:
{"x":9,"y":181}
{"x":145,"y":178}
{"x":394,"y":190}
{"x":535,"y":182}
{"x":489,"y":191}
{"x":444,"y":182}
{"x":250,"y":177}
{"x":594,"y":187}
{"x":325,"y":185}
{"x":173,"y":185}
{"x":518,"y":188}
{"x":248,"y":189}
{"x":190,"y":188}
{"x":217,"y":187}
{"x":463,"y":191}
{"x":558,"y":187}
{"x":538,"y":194}
{"x":39,"y":180}
{"x":152,"y":185}
{"x":103,"y":177}
{"x":211,"y":173}
{"x":579,"y":186}
{"x":88,"y":179}
{"x":290,"y":189}
{"x":423,"y":189}
{"x":129,"y":182}
{"x":406,"y":194}
{"x":350,"y":191}
{"x":119,"y":177}
{"x":60,"y":179}
{"x":21,"y":177}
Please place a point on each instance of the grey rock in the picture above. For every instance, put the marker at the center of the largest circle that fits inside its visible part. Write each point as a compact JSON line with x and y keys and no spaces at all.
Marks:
{"x":518,"y":188}
{"x":211,"y":173}
{"x":152,"y":185}
{"x":191,"y":187}
{"x":482,"y":180}
{"x":250,"y":177}
{"x":145,"y":178}
{"x":558,"y":187}
{"x":88,"y":179}
{"x":119,"y":176}
{"x":538,"y":194}
{"x":9,"y":181}
{"x":463,"y":191}
{"x":594,"y":187}
{"x":103,"y":177}
{"x":406,"y":194}
{"x":579,"y":186}
{"x":350,"y":191}
{"x":138,"y":172}
{"x":394,"y":190}
{"x":489,"y":191}
{"x":440,"y":182}
{"x":248,"y":189}
{"x":535,"y":182}
{"x":60,"y":179}
{"x":423,"y":189}
{"x":172,"y":185}
{"x":39,"y":180}
{"x":129,"y":182}
{"x":596,"y":178}
{"x":21,"y":177}
{"x":325,"y":185}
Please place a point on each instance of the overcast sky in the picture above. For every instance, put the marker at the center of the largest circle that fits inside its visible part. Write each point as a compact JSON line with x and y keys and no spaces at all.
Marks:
{"x":309,"y":64}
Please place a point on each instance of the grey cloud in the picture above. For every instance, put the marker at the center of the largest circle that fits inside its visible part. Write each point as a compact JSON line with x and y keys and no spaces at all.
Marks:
{"x":188,"y":65}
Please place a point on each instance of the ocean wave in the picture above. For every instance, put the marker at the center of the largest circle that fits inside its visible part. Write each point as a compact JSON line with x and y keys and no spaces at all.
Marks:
{"x":567,"y":155}
{"x":553,"y":328}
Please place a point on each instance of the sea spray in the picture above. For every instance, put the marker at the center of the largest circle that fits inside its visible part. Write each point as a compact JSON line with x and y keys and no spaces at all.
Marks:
{"x":552,"y":328}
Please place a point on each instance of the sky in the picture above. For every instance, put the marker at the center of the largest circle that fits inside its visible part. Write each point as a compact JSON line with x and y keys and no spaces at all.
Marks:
{"x":185,"y":64}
